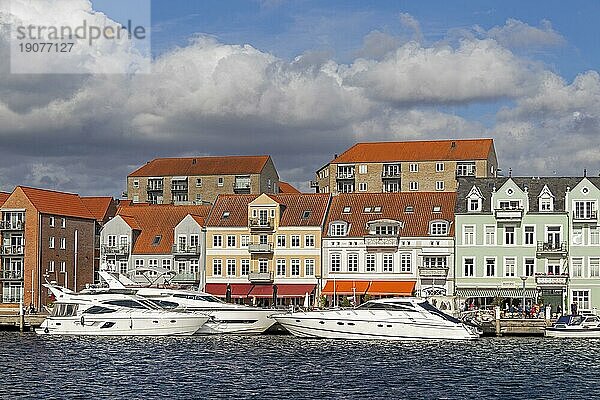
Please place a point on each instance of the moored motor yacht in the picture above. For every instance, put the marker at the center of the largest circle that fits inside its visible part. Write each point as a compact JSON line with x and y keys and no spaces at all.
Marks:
{"x":382,"y":319}
{"x":114,"y":314}
{"x":225,"y":317}
{"x":578,"y":326}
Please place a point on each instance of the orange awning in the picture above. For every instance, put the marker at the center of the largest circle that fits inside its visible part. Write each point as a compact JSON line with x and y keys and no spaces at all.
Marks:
{"x":345,"y":287}
{"x":396,"y":288}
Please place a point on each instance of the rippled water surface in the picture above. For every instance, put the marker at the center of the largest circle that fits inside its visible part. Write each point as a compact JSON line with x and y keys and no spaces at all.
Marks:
{"x":284,"y":366}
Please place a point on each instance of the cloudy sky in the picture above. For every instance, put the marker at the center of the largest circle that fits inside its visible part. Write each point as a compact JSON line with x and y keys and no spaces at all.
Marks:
{"x":302,"y":80}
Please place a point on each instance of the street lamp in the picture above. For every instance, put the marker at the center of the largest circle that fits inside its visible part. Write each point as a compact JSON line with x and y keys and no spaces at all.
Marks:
{"x":524,"y":279}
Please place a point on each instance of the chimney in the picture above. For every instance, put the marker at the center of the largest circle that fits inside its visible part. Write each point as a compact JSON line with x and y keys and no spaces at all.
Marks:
{"x":193,"y":161}
{"x":453,"y":145}
{"x":335,"y":156}
{"x":585,"y":172}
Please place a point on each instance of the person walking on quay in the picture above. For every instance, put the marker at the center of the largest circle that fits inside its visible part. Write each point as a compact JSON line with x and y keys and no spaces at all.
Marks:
{"x":574,"y":308}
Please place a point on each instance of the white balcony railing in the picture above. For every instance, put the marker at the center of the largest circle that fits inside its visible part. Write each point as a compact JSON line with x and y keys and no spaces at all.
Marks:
{"x":12,"y":250}
{"x":12,"y":225}
{"x":261,"y":223}
{"x":260,"y":277}
{"x":119,"y":249}
{"x":260,"y":247}
{"x":186,"y":250}
{"x":381,"y":241}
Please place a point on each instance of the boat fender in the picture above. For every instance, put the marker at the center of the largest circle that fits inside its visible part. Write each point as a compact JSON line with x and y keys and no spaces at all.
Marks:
{"x":82,"y":321}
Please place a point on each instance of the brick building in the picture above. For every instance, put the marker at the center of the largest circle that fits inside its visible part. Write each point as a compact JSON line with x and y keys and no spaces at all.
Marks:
{"x":199,"y":180}
{"x":419,"y":166}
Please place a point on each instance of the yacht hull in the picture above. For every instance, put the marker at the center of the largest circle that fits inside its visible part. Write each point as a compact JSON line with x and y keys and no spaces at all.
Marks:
{"x":572,"y":333}
{"x":344,"y":325}
{"x":150,"y":325}
{"x":245,"y":320}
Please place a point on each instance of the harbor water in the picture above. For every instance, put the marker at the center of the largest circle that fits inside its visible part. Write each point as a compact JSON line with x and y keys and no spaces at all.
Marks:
{"x":287,"y":367}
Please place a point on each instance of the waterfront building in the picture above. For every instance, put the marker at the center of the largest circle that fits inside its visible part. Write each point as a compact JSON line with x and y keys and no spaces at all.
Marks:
{"x":389,"y":244}
{"x":47,"y":235}
{"x":265,"y":246}
{"x":528,"y":237}
{"x":198,"y":180}
{"x":412,"y":166}
{"x":146,"y":241}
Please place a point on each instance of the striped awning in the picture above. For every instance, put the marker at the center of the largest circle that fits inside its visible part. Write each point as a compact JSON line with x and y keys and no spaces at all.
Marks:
{"x":495,"y":292}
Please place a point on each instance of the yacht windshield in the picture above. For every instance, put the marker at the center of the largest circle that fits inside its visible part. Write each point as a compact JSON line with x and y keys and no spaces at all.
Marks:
{"x":131,"y":304}
{"x":204,"y":297}
{"x":64,"y":310}
{"x":398,"y":306}
{"x":168,"y":305}
{"x":99,"y":310}
{"x":425,"y":305}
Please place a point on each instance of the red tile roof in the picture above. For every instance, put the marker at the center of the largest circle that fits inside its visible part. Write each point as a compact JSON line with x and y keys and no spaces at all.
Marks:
{"x":56,"y":203}
{"x":99,"y":206}
{"x":428,"y":150}
{"x":191,"y":166}
{"x":393,"y":206}
{"x":157,"y":220}
{"x":285,"y":187}
{"x":3,"y":197}
{"x":293,"y":206}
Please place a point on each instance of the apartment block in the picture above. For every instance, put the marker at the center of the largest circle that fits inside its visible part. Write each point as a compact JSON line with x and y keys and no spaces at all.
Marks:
{"x":412,"y":166}
{"x":154,"y":243}
{"x":199,"y":180}
{"x":389,"y":244}
{"x":265,"y":247}
{"x":46,"y":236}
{"x":537,"y":238}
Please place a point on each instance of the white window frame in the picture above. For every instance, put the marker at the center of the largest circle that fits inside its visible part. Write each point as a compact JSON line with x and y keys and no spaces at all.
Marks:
{"x":218,"y":241}
{"x":295,"y":267}
{"x":51,"y":242}
{"x":281,"y":267}
{"x":309,"y":267}
{"x":370,"y":262}
{"x":335,"y":262}
{"x":533,"y":272}
{"x":309,"y":241}
{"x":281,"y":241}
{"x":217,"y":267}
{"x":362,"y":168}
{"x":362,"y":186}
{"x":220,"y":181}
{"x":413,"y":167}
{"x":533,"y":241}
{"x":469,"y":238}
{"x":574,"y":261}
{"x":295,"y":241}
{"x":486,"y":272}
{"x":51,"y":221}
{"x":473,"y":267}
{"x":387,"y":262}
{"x":439,"y":167}
{"x":487,"y":235}
{"x":439,"y":185}
{"x":406,"y":262}
{"x":413,"y":186}
{"x":514,"y":267}
{"x":352,"y":261}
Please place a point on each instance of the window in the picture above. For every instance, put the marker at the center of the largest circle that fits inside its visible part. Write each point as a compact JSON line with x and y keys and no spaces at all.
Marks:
{"x":546,"y":204}
{"x":529,"y":266}
{"x":136,"y":198}
{"x":370,"y":263}
{"x":490,"y":235}
{"x":194,"y":241}
{"x":280,"y":265}
{"x":217,"y":267}
{"x":577,"y":236}
{"x":337,"y":229}
{"x":50,"y":266}
{"x":263,"y":239}
{"x":414,"y":167}
{"x":281,"y":241}
{"x":405,"y":262}
{"x":136,"y":183}
{"x":409,"y":209}
{"x":123,"y":267}
{"x":367,"y":209}
{"x":231,"y":267}
{"x":309,"y":267}
{"x":509,"y":266}
{"x":529,"y":234}
{"x":594,"y":235}
{"x":220,"y":181}
{"x":198,"y":182}
{"x":490,"y":267}
{"x":362,"y":186}
{"x":244,"y":240}
{"x":306,"y":214}
{"x":245,"y":267}
{"x":582,"y":298}
{"x":439,"y":185}
{"x":263,"y":265}
{"x":336,"y":262}
{"x":594,"y":267}
{"x":225,"y":215}
{"x":439,"y":167}
{"x":139,"y":263}
{"x":388,"y":262}
{"x":377,"y":209}
{"x":353,"y":262}
{"x":156,"y":240}
{"x":469,"y":267}
{"x":230,"y":240}
{"x":198,"y":198}
{"x":309,"y":240}
{"x":51,"y":242}
{"x":577,"y":268}
{"x":63,"y":243}
{"x":509,"y":235}
{"x":51,"y":221}
{"x":386,"y":230}
{"x":438,"y":228}
{"x":435,"y":262}
{"x":217,"y":241}
{"x":295,"y":241}
{"x":181,"y":267}
{"x":63,"y":223}
{"x":63,"y":266}
{"x":362,"y":169}
{"x":112,"y":240}
{"x":585,"y":210}
{"x":413,"y":185}
{"x":295,"y":267}
{"x":474,"y":204}
{"x":194,"y":266}
{"x":153,"y":263}
{"x":469,"y":235}
{"x":166,"y":264}
{"x":346,"y":210}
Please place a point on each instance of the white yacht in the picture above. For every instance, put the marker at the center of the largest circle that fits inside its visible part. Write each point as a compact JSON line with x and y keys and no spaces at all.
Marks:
{"x":114,"y":314}
{"x":383,"y":319}
{"x":225,"y":317}
{"x":578,"y":326}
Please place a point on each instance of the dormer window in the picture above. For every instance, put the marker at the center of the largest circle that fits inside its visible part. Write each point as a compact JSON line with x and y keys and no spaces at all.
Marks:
{"x":546,"y":200}
{"x":338,"y":228}
{"x":509,"y":205}
{"x":225,"y":215}
{"x":346,"y":210}
{"x":386,"y":230}
{"x":367,"y":209}
{"x":376,"y":209}
{"x":438,"y":228}
{"x":384,"y":227}
{"x":156,"y":240}
{"x":306,"y":214}
{"x":474,"y":205}
{"x":474,"y":200}
{"x":437,"y":209}
{"x":409,"y":209}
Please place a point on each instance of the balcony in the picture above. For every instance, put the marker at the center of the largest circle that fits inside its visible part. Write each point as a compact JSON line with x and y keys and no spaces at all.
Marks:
{"x":242,"y":187}
{"x":12,"y":250}
{"x":591,"y":215}
{"x":12,"y":225}
{"x":11,"y":299}
{"x":116,"y":250}
{"x":433,"y":272}
{"x":390,"y":174}
{"x":314,"y":184}
{"x":260,"y":248}
{"x":462,"y":174}
{"x":12,"y":275}
{"x":508,"y":213}
{"x":178,"y":187}
{"x":189,"y":278}
{"x":549,"y":281}
{"x":155,"y":187}
{"x":381,"y":242}
{"x":186,"y":250}
{"x":260,"y":277}
{"x":260,"y":224}
{"x":545,"y":249}
{"x":345,"y":175}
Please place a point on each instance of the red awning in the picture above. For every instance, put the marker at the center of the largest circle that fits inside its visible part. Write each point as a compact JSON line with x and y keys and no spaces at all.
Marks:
{"x":262,"y":291}
{"x":345,"y":287}
{"x":294,"y":290}
{"x":395,"y":288}
{"x":238,"y":290}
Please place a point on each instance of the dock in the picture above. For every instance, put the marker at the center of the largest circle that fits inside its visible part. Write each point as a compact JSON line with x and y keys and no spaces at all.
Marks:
{"x":12,"y":322}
